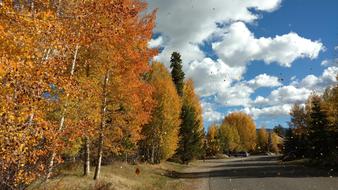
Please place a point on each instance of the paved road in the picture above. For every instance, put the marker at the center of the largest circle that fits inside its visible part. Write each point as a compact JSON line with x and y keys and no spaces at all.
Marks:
{"x":257,"y":173}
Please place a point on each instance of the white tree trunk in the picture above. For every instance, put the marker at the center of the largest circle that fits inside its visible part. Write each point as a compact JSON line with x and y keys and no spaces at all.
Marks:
{"x":62,"y":121}
{"x":102,"y":127}
{"x":86,"y":157}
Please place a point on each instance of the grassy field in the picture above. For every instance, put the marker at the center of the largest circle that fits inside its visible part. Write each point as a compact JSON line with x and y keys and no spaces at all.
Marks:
{"x":118,"y":176}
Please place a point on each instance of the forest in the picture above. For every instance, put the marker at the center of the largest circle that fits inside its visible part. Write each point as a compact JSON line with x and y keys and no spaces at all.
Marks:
{"x":76,"y":84}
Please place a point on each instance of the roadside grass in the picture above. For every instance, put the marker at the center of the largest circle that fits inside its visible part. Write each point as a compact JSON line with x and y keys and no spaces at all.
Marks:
{"x":117,"y":176}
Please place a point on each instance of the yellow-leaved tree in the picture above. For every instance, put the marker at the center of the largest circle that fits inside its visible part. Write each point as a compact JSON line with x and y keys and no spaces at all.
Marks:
{"x":262,"y":139}
{"x":213,"y":140}
{"x":161,"y":134}
{"x":246,"y":129}
{"x":229,"y":138}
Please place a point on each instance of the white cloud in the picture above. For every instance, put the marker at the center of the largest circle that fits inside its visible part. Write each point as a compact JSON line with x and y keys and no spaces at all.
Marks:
{"x":209,"y":114}
{"x":281,"y":98}
{"x":236,"y":95}
{"x":329,"y":62}
{"x":319,"y":84}
{"x":264,"y":80}
{"x":260,"y":100}
{"x":189,"y":52}
{"x":329,"y":76}
{"x":183,"y":25}
{"x":288,"y":95}
{"x":336,"y":48}
{"x":186,"y":23}
{"x":272,"y":111}
{"x":210,"y":77}
{"x":309,"y":81}
{"x":239,"y":46}
{"x":154,"y":43}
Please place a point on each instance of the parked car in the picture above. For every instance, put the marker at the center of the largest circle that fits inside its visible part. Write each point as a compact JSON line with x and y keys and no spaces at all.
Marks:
{"x":241,"y":154}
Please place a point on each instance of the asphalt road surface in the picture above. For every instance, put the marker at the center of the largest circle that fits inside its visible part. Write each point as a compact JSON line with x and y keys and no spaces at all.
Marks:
{"x":257,"y":173}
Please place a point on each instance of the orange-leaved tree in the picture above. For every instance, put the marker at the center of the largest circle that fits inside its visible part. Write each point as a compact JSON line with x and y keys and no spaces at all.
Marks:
{"x":31,"y":65}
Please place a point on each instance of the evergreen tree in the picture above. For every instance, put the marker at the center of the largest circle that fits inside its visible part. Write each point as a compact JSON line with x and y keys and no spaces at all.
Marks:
{"x":191,"y":131}
{"x":190,"y":141}
{"x":279,"y":130}
{"x":177,"y":72}
{"x":297,"y":141}
{"x":330,"y":105}
{"x":318,"y":130}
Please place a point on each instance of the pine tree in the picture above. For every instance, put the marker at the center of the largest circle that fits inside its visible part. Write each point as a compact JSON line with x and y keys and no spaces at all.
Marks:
{"x":191,"y":131}
{"x":190,"y":136}
{"x":318,"y":130}
{"x":297,"y":141}
{"x":176,"y":72}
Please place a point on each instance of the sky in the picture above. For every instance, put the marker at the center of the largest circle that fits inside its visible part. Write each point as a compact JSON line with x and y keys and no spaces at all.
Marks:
{"x":255,"y":56}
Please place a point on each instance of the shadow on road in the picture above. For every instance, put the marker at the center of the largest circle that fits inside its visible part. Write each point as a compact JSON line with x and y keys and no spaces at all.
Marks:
{"x":255,"y":167}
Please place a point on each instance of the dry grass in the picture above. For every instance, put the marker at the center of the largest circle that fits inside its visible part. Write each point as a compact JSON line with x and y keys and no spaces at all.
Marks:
{"x":118,"y":176}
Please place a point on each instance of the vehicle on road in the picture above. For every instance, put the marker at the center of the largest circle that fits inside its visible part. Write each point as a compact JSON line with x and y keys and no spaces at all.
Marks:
{"x":241,"y":154}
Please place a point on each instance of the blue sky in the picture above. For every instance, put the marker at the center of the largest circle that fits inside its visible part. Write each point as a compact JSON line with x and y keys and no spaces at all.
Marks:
{"x":259,"y":57}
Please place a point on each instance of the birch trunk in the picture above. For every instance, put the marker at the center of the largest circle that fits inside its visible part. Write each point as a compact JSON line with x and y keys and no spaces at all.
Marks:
{"x":86,"y":168}
{"x":102,"y":127}
{"x":32,"y":8}
{"x":62,"y":121}
{"x":58,"y":11}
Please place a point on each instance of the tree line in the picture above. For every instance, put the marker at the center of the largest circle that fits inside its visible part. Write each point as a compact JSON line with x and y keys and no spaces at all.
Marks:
{"x":76,"y":83}
{"x":237,"y":133}
{"x":313,"y":129}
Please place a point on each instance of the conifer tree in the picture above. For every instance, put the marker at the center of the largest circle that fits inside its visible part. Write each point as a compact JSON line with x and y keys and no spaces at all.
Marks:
{"x":191,"y":131}
{"x":177,"y":72}
{"x":318,"y":130}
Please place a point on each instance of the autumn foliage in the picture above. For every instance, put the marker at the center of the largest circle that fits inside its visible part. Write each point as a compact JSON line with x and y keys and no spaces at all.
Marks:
{"x":161,"y":134}
{"x":313,"y":129}
{"x":77,"y":83}
{"x":246,"y":129}
{"x":55,"y":56}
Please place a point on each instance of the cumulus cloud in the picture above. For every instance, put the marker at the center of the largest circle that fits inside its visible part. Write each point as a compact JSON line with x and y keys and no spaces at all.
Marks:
{"x":296,"y":92}
{"x":272,"y":111}
{"x":183,"y":25}
{"x":235,"y":95}
{"x":154,"y":43}
{"x":187,"y":23}
{"x":210,"y":76}
{"x":209,"y":114}
{"x":239,"y":46}
{"x":319,"y":84}
{"x":329,"y":62}
{"x":215,"y":78}
{"x":264,"y":80}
